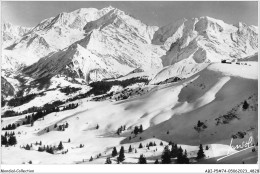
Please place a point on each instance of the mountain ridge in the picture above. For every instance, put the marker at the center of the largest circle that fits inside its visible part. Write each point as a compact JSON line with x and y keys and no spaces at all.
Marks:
{"x":108,"y":43}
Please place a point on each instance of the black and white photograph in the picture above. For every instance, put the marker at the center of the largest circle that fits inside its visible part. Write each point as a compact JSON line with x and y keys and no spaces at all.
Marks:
{"x":129,"y":82}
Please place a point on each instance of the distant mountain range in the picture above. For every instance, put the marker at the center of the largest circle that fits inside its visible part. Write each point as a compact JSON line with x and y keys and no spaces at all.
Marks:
{"x":91,"y":45}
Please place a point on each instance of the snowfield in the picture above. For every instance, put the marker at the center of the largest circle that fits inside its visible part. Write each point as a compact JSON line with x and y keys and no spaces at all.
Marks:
{"x":174,"y":108}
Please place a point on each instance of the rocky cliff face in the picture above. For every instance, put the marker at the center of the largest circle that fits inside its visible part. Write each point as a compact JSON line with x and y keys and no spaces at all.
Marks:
{"x":6,"y":88}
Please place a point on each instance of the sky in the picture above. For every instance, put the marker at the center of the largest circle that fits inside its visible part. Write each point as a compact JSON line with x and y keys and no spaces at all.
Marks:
{"x":159,"y":13}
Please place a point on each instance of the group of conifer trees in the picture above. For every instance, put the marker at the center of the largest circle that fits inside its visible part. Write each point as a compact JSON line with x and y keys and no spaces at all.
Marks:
{"x":119,"y":130}
{"x":170,"y":152}
{"x":46,"y":148}
{"x":8,"y":139}
{"x":30,"y":119}
{"x":61,"y":127}
{"x":138,"y":129}
{"x":11,"y":126}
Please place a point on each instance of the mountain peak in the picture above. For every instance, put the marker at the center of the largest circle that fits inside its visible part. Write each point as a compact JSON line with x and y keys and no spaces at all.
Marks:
{"x":109,"y":8}
{"x":114,"y":15}
{"x":84,"y":10}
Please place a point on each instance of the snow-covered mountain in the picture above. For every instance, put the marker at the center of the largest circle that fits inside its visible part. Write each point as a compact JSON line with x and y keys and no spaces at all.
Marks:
{"x":10,"y":33}
{"x":206,"y":39}
{"x":96,"y":44}
{"x":50,"y":35}
{"x":192,"y":44}
{"x":110,"y":46}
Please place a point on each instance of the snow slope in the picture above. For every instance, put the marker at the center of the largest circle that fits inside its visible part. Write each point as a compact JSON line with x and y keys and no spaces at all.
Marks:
{"x":174,"y":108}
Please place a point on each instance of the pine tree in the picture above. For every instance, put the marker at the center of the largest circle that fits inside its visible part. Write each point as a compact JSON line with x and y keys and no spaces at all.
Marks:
{"x":47,"y":148}
{"x":27,"y":147}
{"x":185,"y":158}
{"x":12,"y":140}
{"x":69,"y":140}
{"x":200,"y":153}
{"x":174,"y":151}
{"x":156,"y":161}
{"x":3,"y":140}
{"x":140,"y":146}
{"x":130,"y":149}
{"x":97,"y":127}
{"x":39,"y":149}
{"x":142,"y":159}
{"x":136,"y":130}
{"x":245,"y":105}
{"x":141,"y":129}
{"x":166,"y":156}
{"x":207,"y":147}
{"x":180,"y":156}
{"x":13,"y":126}
{"x":161,"y":144}
{"x":198,"y":124}
{"x":121,"y":156}
{"x":91,"y":159}
{"x":114,"y":152}
{"x":51,"y":150}
{"x":60,"y":146}
{"x":108,"y":161}
{"x":151,"y":144}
